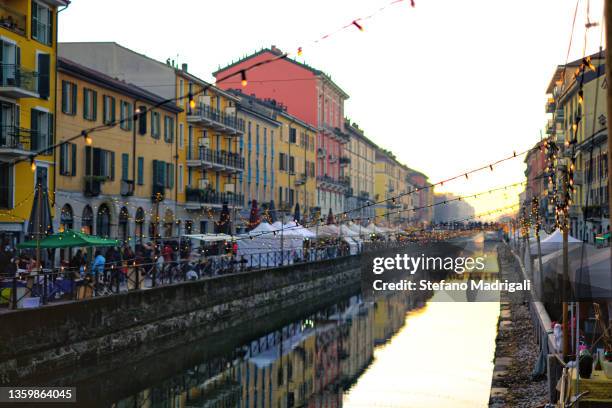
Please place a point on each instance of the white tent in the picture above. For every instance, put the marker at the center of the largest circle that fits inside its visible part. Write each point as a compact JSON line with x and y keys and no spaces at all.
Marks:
{"x":277,"y":225}
{"x":347,"y":232}
{"x":552,"y":243}
{"x":209,"y":237}
{"x":355,"y":227}
{"x":326,"y":231}
{"x":263,"y":228}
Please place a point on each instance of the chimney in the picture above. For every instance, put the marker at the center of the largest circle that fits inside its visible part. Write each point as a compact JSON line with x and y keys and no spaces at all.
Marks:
{"x":184,"y":66}
{"x":275,"y":50}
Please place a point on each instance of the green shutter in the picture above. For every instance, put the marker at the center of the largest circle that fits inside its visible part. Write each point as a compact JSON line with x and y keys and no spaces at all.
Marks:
{"x":125,"y":162}
{"x":113,"y":110}
{"x":112,"y":165}
{"x":140,"y":171}
{"x":86,"y":103}
{"x":95,"y":106}
{"x":73,"y":160}
{"x":170,"y":179}
{"x":51,"y":141}
{"x":50,"y":31}
{"x":34,"y":19}
{"x":34,"y":130}
{"x":44,"y":75}
{"x":73,"y":89}
{"x":155,"y":172}
{"x":88,"y":168}
{"x":104,"y":110}
{"x":62,"y":159}
{"x":64,"y":96}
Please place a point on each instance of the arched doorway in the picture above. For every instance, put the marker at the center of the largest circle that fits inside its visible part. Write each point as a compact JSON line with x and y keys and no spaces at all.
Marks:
{"x":66,"y":218}
{"x":139,"y":223}
{"x":103,"y":221}
{"x":87,"y":220}
{"x":124,"y":220}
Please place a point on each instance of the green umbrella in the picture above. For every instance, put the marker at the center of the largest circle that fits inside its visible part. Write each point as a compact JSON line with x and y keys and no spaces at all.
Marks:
{"x":68,"y":239}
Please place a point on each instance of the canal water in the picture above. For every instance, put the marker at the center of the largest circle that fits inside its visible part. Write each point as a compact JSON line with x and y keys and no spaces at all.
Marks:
{"x":397,"y":349}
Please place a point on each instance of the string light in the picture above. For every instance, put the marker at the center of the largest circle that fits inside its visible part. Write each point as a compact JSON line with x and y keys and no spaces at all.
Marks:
{"x":33,"y":165}
{"x":192,"y":103}
{"x":356,"y":24}
{"x":243,"y":78}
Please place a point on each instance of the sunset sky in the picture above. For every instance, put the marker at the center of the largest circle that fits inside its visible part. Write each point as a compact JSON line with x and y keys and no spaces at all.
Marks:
{"x":448,"y":86}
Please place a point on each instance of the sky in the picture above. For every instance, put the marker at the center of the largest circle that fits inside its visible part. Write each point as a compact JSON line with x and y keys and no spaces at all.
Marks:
{"x":448,"y":86}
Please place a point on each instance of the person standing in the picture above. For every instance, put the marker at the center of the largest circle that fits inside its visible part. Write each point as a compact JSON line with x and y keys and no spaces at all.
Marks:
{"x":99,"y":262}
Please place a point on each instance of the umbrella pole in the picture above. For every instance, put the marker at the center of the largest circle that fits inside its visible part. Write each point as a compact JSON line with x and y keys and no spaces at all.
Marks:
{"x":39,"y":216}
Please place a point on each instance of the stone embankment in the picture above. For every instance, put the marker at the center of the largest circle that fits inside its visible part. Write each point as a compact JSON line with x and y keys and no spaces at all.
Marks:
{"x":516,"y":347}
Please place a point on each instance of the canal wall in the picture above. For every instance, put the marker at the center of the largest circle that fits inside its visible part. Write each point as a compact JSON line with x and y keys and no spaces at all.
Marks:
{"x":51,"y":339}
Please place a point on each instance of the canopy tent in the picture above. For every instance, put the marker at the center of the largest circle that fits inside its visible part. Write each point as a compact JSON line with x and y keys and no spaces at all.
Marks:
{"x":376,"y":229}
{"x":347,"y":232}
{"x":265,"y":250}
{"x":209,"y":237}
{"x":326,"y":231}
{"x":552,"y":243}
{"x":277,"y":225}
{"x":263,"y":228}
{"x":357,"y":228}
{"x":69,"y":239}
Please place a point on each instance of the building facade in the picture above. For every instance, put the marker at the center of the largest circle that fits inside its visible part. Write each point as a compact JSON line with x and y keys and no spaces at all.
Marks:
{"x":28,"y":32}
{"x":118,"y":182}
{"x":359,"y":165}
{"x":311,"y":96}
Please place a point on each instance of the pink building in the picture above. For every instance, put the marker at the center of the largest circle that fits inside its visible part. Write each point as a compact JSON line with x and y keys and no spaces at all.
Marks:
{"x":310,"y":95}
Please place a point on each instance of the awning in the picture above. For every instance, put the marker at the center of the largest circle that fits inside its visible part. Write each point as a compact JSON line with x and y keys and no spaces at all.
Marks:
{"x":69,"y":239}
{"x":209,"y":237}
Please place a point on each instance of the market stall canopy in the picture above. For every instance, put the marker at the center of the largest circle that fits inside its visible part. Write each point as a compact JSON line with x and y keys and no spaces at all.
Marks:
{"x":347,"y":232}
{"x":552,"y":243}
{"x":326,"y":231}
{"x":69,"y":239}
{"x":263,"y":228}
{"x":209,"y":237}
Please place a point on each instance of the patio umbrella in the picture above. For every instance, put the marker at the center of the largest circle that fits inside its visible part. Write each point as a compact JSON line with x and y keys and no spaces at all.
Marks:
{"x":254,"y":216}
{"x":296,"y":213}
{"x":40,"y":217}
{"x":330,"y":217}
{"x":224,"y":225}
{"x":70,"y":238}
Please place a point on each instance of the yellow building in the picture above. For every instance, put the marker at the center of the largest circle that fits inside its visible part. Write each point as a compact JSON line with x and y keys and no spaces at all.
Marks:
{"x":359,"y":164}
{"x":121,"y":181}
{"x":579,"y":124}
{"x":388,"y":184}
{"x":295,"y":172}
{"x":28,"y":32}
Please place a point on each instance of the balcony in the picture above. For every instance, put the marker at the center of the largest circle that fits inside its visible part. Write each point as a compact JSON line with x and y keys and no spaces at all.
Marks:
{"x":334,"y":133}
{"x":14,"y":142}
{"x":127,"y":188}
{"x":93,"y":185}
{"x":349,"y":192}
{"x":330,"y":183}
{"x":197,"y":198}
{"x":214,"y":118}
{"x":321,"y":153}
{"x":12,"y":20}
{"x":18,"y":82}
{"x":333,"y":158}
{"x":216,"y":160}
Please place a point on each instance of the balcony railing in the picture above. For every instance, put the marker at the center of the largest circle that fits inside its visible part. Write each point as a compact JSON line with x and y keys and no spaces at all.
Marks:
{"x":17,"y":81}
{"x":301,"y":179}
{"x":345,"y":160}
{"x":327,"y":181}
{"x":208,"y":196}
{"x":15,"y":138}
{"x":216,"y":118}
{"x":220,"y":158}
{"x":12,"y":20}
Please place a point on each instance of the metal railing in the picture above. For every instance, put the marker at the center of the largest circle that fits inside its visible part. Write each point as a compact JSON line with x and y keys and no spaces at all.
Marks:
{"x":12,"y":75}
{"x":214,"y":114}
{"x":220,"y":157}
{"x":13,"y":137}
{"x":69,"y":284}
{"x":12,"y":20}
{"x":205,"y":196}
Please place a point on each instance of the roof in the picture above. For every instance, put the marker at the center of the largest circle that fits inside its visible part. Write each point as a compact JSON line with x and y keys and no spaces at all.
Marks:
{"x":352,"y":127}
{"x":103,"y":80}
{"x":276,"y":52}
{"x":557,"y":76}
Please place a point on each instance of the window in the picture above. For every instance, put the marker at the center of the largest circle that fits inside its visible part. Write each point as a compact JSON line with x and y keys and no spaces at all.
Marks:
{"x":140,"y":171}
{"x":90,"y":104}
{"x":44,"y":75}
{"x":292,"y":135}
{"x":142,"y":120}
{"x":108,"y":115}
{"x":291,"y":164}
{"x":163,"y":174}
{"x":125,"y":165}
{"x":69,"y":98}
{"x":126,"y":115}
{"x":282,"y":161}
{"x":99,"y":162}
{"x":42,"y":129}
{"x":180,"y":178}
{"x":68,"y":159}
{"x":42,"y":23}
{"x":181,"y":136}
{"x":155,"y":125}
{"x":168,"y":129}
{"x":181,"y":90}
{"x":6,"y":181}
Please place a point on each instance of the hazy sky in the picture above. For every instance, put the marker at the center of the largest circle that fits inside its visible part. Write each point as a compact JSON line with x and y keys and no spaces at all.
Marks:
{"x":447,"y":86}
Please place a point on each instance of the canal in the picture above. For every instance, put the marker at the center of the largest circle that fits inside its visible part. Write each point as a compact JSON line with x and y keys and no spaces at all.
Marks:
{"x":396,"y":349}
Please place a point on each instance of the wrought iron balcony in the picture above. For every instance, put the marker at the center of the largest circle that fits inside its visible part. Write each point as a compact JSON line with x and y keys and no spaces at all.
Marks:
{"x":197,"y":197}
{"x":215,"y":159}
{"x":12,"y":20}
{"x":14,"y":141}
{"x":550,"y":105}
{"x":209,"y":116}
{"x":18,"y":82}
{"x":93,"y":186}
{"x":331,"y":183}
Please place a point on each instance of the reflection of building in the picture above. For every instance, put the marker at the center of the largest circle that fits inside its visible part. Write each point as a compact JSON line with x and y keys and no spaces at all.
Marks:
{"x":113,"y":182}
{"x":27,"y":124}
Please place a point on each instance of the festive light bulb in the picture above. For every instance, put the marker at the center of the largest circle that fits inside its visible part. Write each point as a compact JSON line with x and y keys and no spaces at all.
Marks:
{"x":88,"y":140}
{"x":192,"y":103}
{"x":299,"y":51}
{"x":356,"y":24}
{"x":580,"y":96}
{"x":33,"y":165}
{"x":243,"y":78}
